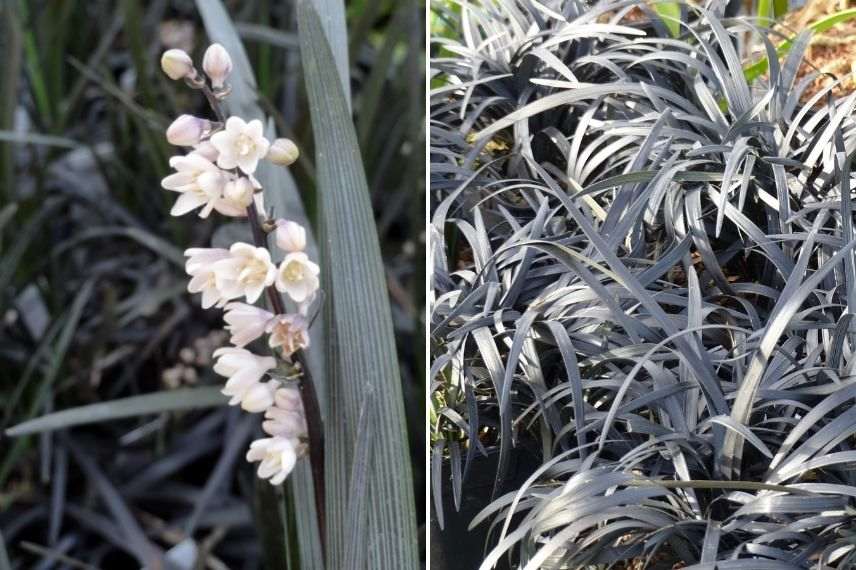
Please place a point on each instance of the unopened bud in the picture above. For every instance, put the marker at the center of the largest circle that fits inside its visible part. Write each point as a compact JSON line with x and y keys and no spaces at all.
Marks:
{"x":217,"y":65}
{"x":290,"y":236}
{"x":283,"y":152}
{"x":187,"y":130}
{"x":176,"y":64}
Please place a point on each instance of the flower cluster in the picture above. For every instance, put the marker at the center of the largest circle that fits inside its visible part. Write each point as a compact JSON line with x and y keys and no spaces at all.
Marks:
{"x":216,"y":175}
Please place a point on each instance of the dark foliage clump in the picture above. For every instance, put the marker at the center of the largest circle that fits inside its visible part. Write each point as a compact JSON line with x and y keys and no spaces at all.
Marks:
{"x":643,"y":267}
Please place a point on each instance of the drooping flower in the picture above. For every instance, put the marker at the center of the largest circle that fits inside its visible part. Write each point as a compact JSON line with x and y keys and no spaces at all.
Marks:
{"x":290,"y":236}
{"x":289,"y":333}
{"x":297,"y":276}
{"x":187,"y":130}
{"x":199,"y":182}
{"x":240,"y":144}
{"x":200,"y":266}
{"x":283,"y":152}
{"x":217,"y":65}
{"x":246,"y":272}
{"x":246,"y":322}
{"x":245,"y":371}
{"x":259,"y":397}
{"x":276,"y":457}
{"x":286,"y":417}
{"x":288,"y":398}
{"x":177,"y":64}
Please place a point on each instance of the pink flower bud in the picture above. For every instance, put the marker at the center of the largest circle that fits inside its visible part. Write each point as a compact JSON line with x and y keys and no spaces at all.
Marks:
{"x":187,"y":130}
{"x":290,"y":236}
{"x":217,"y":65}
{"x":283,"y":152}
{"x":176,"y":64}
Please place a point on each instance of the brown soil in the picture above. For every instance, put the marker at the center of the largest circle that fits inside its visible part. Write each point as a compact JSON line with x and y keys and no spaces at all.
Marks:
{"x":832,"y":52}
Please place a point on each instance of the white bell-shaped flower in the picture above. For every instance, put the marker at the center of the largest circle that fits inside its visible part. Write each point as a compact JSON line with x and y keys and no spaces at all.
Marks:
{"x":246,"y":272}
{"x":297,"y":276}
{"x":284,"y":423}
{"x":276,"y":457}
{"x":240,"y":144}
{"x":244,"y":371}
{"x":286,"y":417}
{"x":237,"y":196}
{"x":206,"y":150}
{"x":259,"y":397}
{"x":289,"y":333}
{"x":200,"y":266}
{"x":199,"y":182}
{"x":246,"y":322}
{"x":290,"y":236}
{"x":288,"y":398}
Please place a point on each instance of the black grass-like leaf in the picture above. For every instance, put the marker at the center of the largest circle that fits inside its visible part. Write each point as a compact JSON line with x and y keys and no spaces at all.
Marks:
{"x":644,"y":263}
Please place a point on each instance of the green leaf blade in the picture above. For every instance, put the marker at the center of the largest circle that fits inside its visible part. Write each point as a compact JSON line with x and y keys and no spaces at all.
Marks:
{"x":670,"y":13}
{"x":167,"y":401}
{"x":362,"y":352}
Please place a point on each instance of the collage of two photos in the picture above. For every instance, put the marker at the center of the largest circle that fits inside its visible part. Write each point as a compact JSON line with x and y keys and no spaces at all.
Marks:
{"x":427,"y":284}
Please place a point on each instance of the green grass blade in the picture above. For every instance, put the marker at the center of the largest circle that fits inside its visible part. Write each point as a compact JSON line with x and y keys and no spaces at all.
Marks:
{"x":267,"y":35}
{"x":362,"y":355}
{"x":670,"y":13}
{"x":4,"y":555}
{"x":182,"y":399}
{"x":14,"y":254}
{"x":765,"y":11}
{"x":34,"y":66}
{"x":37,"y":139}
{"x":11,"y":50}
{"x":303,"y":496}
{"x":7,"y":213}
{"x":271,"y":522}
{"x":760,"y":67}
{"x":332,"y":16}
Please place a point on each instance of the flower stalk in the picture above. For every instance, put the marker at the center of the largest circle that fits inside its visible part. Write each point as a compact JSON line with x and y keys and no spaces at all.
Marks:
{"x":311,"y":406}
{"x":218,"y":176}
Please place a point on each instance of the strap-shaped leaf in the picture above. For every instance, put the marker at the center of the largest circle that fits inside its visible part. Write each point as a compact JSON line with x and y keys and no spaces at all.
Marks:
{"x":156,"y":403}
{"x":362,"y":348}
{"x":332,"y":16}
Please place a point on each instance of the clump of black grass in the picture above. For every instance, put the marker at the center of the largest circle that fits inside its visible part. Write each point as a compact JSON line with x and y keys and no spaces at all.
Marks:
{"x":643,"y":267}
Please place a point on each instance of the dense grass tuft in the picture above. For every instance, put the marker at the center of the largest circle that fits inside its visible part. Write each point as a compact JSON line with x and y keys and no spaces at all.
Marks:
{"x":643,"y":269}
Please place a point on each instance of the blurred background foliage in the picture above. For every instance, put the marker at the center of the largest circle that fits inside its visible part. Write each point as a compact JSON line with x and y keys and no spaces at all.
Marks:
{"x":92,"y":288}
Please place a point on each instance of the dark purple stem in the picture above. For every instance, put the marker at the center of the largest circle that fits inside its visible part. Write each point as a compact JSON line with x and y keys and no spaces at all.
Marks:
{"x":311,"y":407}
